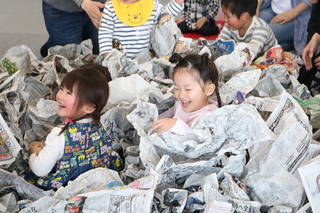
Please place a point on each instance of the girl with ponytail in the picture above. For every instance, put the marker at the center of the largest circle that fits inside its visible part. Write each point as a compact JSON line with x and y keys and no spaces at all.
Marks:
{"x":81,"y":143}
{"x":195,"y":79}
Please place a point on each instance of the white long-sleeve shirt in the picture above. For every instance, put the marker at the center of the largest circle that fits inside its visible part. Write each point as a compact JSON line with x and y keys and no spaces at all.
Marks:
{"x":133,"y":38}
{"x":43,"y":163}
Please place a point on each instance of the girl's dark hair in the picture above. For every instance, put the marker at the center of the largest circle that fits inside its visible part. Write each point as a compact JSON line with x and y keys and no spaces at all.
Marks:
{"x":238,"y":7}
{"x":198,"y":64}
{"x":90,"y":82}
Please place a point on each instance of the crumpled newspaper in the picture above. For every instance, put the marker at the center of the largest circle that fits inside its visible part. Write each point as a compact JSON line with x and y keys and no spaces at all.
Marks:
{"x":221,"y":145}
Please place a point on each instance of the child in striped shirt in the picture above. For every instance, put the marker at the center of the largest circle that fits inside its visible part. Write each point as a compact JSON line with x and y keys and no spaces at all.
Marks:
{"x":130,"y":22}
{"x":243,"y":26}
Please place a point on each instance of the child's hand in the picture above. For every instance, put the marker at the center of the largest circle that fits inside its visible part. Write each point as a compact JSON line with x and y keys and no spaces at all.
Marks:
{"x":200,"y":22}
{"x":181,"y":20}
{"x":105,"y":55}
{"x":163,"y":124}
{"x":179,"y":1}
{"x":36,"y":147}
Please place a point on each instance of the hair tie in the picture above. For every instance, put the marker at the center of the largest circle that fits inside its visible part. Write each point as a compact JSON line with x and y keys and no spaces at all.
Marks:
{"x":68,"y":121}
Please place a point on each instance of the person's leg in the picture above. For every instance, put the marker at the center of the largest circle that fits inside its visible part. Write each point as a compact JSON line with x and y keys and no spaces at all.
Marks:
{"x":307,"y":77}
{"x":63,"y":27}
{"x":183,"y":27}
{"x":315,"y":84}
{"x":209,"y":28}
{"x":267,"y":14}
{"x":284,"y":34}
{"x":91,"y":32}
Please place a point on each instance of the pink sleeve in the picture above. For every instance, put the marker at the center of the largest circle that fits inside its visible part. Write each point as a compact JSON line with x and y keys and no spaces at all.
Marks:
{"x":169,"y":113}
{"x":181,"y":128}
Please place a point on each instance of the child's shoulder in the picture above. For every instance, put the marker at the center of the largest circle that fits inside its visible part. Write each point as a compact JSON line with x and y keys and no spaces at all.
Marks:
{"x":259,"y":22}
{"x":56,"y":130}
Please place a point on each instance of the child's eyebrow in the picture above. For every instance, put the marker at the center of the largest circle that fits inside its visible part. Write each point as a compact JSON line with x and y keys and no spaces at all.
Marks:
{"x":186,"y":85}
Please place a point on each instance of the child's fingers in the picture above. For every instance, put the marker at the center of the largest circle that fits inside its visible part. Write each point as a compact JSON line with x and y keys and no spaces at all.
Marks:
{"x":156,"y":124}
{"x":161,"y":130}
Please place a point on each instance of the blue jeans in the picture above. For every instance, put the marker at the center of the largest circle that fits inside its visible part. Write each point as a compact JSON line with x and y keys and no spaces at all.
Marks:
{"x":284,"y":32}
{"x":67,"y":28}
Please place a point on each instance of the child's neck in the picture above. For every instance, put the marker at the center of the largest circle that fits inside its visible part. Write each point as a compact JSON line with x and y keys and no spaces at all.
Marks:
{"x":245,"y":27}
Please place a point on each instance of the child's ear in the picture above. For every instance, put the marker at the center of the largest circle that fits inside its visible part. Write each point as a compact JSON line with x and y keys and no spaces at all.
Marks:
{"x":210,"y":89}
{"x":245,"y":16}
{"x":89,"y":108}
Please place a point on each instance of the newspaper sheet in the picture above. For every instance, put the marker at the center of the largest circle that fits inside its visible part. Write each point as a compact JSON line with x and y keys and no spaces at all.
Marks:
{"x":305,"y":209}
{"x":19,"y":186}
{"x":165,"y":35}
{"x":219,"y":197}
{"x":243,"y":82}
{"x":100,"y":193}
{"x":310,"y":176}
{"x":272,"y":173}
{"x":218,"y":145}
{"x":9,"y":147}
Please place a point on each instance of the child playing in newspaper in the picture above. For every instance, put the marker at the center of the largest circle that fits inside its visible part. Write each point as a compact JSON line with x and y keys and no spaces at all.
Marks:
{"x":243,"y":26}
{"x":81,"y":144}
{"x":127,"y":24}
{"x":195,"y":79}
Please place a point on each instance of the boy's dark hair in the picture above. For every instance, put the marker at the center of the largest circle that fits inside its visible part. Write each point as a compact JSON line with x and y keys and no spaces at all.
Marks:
{"x":91,"y":84}
{"x":238,"y":7}
{"x":200,"y":64}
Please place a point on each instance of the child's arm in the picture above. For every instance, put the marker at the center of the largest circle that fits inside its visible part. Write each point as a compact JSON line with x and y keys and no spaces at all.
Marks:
{"x":213,"y":9}
{"x":174,"y":7}
{"x":181,"y":20}
{"x":43,"y":163}
{"x":163,"y":124}
{"x":36,"y":147}
{"x":179,"y":1}
{"x":225,"y":34}
{"x":106,"y":30}
{"x":167,"y":122}
{"x":169,"y":113}
{"x":183,"y":14}
{"x":175,"y":125}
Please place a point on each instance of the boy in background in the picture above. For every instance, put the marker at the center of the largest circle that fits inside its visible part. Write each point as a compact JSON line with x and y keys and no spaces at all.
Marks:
{"x":243,"y":26}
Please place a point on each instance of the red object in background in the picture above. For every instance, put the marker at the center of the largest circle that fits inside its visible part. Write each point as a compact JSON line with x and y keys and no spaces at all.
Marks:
{"x":196,"y":36}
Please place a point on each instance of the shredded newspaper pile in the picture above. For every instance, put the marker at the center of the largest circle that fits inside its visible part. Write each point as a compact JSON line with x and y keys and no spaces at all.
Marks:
{"x":243,"y":157}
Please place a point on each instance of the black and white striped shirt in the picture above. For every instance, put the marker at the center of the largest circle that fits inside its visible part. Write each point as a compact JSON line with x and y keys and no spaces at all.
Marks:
{"x":133,"y":38}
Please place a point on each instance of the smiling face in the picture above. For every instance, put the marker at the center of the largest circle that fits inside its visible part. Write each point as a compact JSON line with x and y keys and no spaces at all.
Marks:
{"x":189,"y":93}
{"x":233,"y":21}
{"x":135,"y":18}
{"x":67,"y":104}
